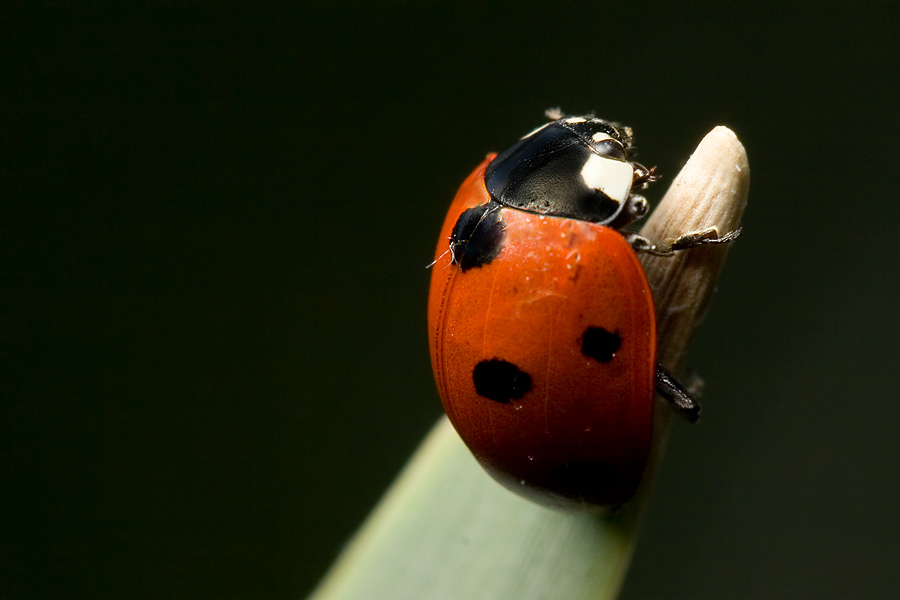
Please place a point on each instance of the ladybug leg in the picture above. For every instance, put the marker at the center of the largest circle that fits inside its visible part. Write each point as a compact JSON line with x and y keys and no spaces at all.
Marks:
{"x":707,"y":236}
{"x":643,"y":176}
{"x":678,"y":394}
{"x":683,"y":242}
{"x":641,"y":244}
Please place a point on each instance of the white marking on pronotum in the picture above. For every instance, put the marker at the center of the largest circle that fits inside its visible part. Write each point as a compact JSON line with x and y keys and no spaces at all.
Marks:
{"x":612,"y":177}
{"x":600,"y":136}
{"x":576,"y":120}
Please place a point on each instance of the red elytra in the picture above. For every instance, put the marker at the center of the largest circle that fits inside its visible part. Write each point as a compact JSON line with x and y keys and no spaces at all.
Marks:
{"x":576,"y":427}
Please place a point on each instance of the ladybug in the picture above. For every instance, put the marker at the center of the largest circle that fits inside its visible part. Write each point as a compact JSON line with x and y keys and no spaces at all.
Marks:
{"x":541,"y":322}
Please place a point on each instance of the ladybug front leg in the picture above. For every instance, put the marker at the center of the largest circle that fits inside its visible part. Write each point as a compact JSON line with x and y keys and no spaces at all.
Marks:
{"x":683,"y":242}
{"x":707,"y":236}
{"x":677,"y":394}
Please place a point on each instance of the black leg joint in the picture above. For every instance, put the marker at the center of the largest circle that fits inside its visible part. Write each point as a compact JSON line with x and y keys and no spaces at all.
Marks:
{"x":677,"y":394}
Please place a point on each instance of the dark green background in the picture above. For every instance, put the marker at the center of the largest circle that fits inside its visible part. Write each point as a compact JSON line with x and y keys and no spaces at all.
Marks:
{"x":214,"y":226}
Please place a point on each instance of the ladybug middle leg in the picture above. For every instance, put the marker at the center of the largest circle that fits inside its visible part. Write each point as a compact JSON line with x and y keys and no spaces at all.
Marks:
{"x":685,"y":241}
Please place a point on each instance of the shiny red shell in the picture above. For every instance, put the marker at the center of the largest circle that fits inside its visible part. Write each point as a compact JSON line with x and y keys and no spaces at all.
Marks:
{"x":581,"y":434}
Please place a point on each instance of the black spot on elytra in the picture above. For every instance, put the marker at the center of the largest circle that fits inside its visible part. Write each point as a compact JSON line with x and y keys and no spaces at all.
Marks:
{"x":500,"y":380}
{"x":477,"y":237}
{"x":600,"y":344}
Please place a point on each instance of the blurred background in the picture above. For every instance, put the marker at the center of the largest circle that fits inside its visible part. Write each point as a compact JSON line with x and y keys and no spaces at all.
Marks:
{"x":215,"y":223}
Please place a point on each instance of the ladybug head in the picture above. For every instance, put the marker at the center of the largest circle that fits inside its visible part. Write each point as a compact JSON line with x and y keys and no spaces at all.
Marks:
{"x":573,"y":167}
